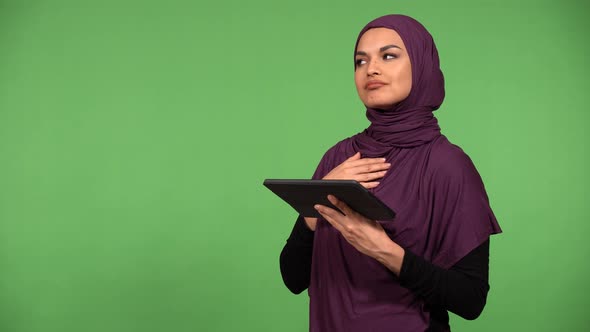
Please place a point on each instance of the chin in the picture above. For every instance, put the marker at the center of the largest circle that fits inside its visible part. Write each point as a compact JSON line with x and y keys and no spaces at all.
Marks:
{"x":382,"y":103}
{"x":379,"y":105}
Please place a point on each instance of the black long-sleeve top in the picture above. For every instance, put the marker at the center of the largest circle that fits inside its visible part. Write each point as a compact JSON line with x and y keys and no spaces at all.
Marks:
{"x":462,"y":289}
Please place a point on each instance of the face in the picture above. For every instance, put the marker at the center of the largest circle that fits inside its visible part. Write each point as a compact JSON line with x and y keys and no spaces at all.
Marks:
{"x":383,"y":73}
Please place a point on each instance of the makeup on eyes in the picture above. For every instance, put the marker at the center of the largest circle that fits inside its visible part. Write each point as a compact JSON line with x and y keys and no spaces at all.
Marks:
{"x":358,"y":62}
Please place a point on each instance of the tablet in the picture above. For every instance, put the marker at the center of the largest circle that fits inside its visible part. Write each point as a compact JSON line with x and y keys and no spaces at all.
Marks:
{"x":302,"y":195}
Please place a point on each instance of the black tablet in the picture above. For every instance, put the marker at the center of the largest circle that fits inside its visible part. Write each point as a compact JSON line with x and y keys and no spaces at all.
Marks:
{"x":302,"y":195}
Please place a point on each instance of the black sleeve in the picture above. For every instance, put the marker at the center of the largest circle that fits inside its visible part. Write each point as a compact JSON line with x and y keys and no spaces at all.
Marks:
{"x":295,"y":258}
{"x":462,"y":289}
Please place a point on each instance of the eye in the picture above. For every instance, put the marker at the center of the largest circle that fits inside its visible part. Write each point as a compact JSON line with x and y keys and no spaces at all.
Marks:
{"x":389,"y":56}
{"x":359,"y":62}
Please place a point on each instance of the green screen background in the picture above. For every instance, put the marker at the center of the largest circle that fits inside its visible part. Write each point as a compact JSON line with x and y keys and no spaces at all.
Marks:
{"x":135,"y":136}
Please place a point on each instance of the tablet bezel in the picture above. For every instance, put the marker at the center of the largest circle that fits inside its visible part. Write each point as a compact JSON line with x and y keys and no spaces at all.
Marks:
{"x":302,"y":195}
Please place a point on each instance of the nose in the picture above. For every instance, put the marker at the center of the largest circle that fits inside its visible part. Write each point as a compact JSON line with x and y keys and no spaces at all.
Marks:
{"x":373,"y":68}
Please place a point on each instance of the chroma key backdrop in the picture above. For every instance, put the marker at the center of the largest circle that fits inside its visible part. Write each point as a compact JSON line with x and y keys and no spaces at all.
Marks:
{"x":135,"y":137}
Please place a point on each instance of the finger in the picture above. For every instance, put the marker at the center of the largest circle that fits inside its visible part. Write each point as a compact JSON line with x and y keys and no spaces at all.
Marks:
{"x":369,"y":185}
{"x":370,"y":168}
{"x":364,"y":161}
{"x":356,"y":156}
{"x":366,"y":177}
{"x":328,"y":212}
{"x":332,"y":221}
{"x":341,"y":205}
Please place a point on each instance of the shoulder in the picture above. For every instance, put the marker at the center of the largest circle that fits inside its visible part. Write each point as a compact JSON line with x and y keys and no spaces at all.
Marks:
{"x":334,"y":156}
{"x":448,"y":160}
{"x":339,"y":151}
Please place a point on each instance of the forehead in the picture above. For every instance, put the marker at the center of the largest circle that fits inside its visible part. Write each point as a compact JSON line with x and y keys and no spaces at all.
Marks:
{"x":375,"y":38}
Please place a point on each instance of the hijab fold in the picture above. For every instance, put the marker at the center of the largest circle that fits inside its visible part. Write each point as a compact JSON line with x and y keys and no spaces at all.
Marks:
{"x":410,"y":122}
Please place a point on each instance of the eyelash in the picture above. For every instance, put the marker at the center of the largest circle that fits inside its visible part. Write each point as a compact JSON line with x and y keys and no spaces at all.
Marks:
{"x":358,"y":61}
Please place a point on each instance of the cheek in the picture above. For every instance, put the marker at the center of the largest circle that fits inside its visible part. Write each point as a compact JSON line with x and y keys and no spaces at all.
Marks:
{"x":357,"y":81}
{"x":406,"y":82}
{"x":403,"y":83}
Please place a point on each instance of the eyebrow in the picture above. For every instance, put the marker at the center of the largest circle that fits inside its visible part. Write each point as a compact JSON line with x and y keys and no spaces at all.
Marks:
{"x":382,"y":49}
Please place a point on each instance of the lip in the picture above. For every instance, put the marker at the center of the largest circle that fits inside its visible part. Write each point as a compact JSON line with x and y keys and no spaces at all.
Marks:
{"x":372,"y":85}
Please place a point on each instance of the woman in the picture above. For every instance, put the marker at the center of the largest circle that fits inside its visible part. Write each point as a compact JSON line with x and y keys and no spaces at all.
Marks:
{"x":402,"y":275}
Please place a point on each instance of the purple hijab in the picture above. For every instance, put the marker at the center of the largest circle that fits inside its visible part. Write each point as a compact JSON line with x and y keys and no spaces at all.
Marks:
{"x":442,"y":208}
